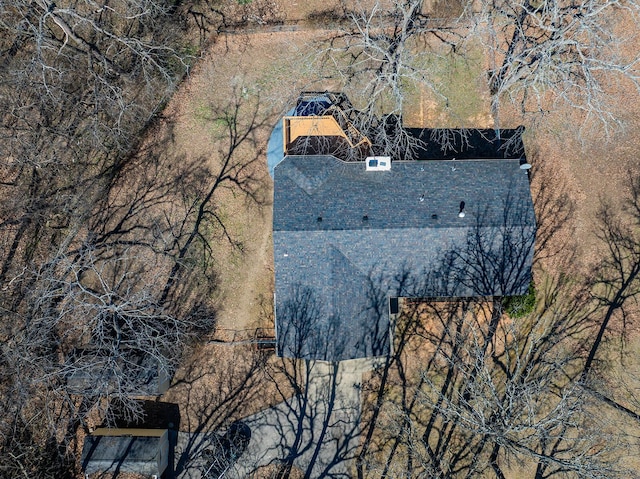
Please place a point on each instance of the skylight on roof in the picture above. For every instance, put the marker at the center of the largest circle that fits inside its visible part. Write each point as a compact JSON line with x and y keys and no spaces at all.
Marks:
{"x":378,"y":163}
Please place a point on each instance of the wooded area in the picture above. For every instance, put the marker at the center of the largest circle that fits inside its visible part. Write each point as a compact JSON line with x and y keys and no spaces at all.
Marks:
{"x":109,"y":239}
{"x":102,"y":234}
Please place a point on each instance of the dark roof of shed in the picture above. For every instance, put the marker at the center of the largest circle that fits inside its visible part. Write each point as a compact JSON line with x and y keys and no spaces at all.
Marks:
{"x":334,"y":276}
{"x":133,"y":454}
{"x":95,"y":371}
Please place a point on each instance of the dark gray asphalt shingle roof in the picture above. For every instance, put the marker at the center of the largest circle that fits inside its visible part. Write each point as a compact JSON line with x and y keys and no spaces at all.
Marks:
{"x":348,"y":267}
{"x":308,"y":187}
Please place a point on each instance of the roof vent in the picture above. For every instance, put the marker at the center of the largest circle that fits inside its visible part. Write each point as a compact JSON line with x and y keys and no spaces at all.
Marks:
{"x":524,"y":165}
{"x":461,"y":213}
{"x":378,"y":163}
{"x":319,"y":219}
{"x":365,"y":218}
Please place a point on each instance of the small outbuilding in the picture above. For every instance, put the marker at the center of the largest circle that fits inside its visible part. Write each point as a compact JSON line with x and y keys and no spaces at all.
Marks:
{"x":144,"y":452}
{"x":96,"y":371}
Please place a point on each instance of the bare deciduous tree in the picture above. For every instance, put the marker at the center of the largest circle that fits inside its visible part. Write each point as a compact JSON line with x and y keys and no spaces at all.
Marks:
{"x":114,"y":284}
{"x":561,"y":53}
{"x":482,"y":402}
{"x":381,"y":53}
{"x":490,"y":391}
{"x":541,"y":55}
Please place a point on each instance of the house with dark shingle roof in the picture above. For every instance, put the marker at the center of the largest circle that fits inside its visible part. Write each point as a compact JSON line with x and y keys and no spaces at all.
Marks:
{"x":350,"y":239}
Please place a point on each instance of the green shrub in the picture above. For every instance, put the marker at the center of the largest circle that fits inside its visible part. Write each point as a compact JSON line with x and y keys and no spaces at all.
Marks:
{"x":520,"y":306}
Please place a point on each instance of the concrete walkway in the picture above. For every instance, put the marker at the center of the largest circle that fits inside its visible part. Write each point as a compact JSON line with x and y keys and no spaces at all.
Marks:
{"x":317,"y":431}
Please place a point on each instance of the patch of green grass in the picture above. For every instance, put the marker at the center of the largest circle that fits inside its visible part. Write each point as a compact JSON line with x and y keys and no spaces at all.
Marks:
{"x":460,"y":85}
{"x":190,"y":50}
{"x":203,"y":112}
{"x":217,"y":125}
{"x":180,"y":63}
{"x":453,"y":82}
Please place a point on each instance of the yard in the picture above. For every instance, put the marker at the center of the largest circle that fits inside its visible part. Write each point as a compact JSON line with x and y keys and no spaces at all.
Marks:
{"x":137,"y":214}
{"x":261,"y":74}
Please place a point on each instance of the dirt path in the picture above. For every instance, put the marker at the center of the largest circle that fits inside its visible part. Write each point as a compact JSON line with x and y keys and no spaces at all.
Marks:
{"x":244,"y":296}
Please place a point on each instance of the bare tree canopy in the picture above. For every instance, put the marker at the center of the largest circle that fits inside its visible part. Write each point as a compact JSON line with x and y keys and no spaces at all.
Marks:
{"x":106,"y":239}
{"x":560,"y":53}
{"x":541,"y":55}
